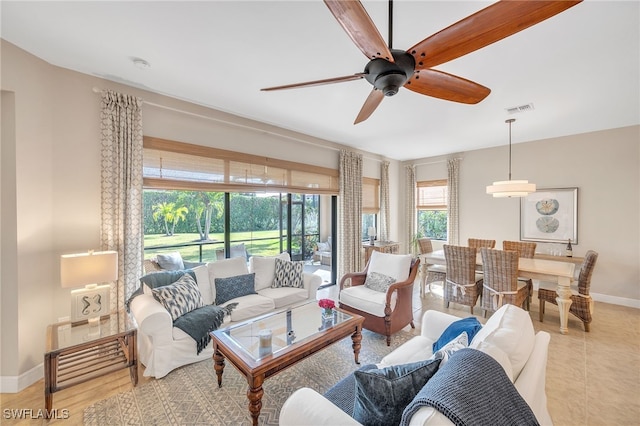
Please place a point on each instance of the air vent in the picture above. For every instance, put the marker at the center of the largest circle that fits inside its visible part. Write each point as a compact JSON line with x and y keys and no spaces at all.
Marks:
{"x":521,"y":108}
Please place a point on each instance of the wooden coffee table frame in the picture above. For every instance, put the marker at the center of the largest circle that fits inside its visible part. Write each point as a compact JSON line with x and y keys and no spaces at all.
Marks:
{"x":256,"y":371}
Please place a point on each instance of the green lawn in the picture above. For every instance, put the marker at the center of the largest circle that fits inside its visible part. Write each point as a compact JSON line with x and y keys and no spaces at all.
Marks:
{"x":191,"y":250}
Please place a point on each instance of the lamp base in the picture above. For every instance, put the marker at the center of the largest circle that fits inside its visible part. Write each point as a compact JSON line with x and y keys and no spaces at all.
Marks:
{"x":90,"y":302}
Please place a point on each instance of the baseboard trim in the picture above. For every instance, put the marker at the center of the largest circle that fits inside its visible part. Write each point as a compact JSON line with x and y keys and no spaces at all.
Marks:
{"x":15,"y":384}
{"x":615,"y":300}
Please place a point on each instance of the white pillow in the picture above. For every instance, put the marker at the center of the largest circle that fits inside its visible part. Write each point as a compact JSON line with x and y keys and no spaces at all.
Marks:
{"x":202,"y":278}
{"x":460,"y":342}
{"x":392,"y":265}
{"x":499,"y":355}
{"x":511,"y":330}
{"x":265,"y":269}
{"x":225,"y":268}
{"x":170,"y":261}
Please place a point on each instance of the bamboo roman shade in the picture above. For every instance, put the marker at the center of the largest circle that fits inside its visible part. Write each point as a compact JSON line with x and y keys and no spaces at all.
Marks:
{"x":432,"y":195}
{"x":177,"y":165}
{"x":370,"y":195}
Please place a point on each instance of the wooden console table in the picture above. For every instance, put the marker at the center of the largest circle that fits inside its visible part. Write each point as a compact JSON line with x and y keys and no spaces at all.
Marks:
{"x":386,"y":247}
{"x":80,"y":352}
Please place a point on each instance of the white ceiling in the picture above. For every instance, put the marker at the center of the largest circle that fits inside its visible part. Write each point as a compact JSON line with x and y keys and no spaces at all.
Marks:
{"x":580,"y":69}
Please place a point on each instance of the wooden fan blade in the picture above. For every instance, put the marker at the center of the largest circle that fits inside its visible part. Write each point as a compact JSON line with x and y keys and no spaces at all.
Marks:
{"x":493,"y":23}
{"x":317,"y":82}
{"x":356,"y":22}
{"x":373,"y":100}
{"x":446,"y":86}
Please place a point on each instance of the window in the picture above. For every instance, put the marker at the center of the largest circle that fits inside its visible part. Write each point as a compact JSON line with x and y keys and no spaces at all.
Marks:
{"x":370,"y":205}
{"x":432,"y":209}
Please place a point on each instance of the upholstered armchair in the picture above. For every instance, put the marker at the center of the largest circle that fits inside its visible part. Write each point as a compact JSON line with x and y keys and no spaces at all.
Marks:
{"x":382,"y":293}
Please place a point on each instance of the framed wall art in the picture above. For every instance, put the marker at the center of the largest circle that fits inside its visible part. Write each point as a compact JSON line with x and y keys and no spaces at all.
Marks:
{"x":550,"y":215}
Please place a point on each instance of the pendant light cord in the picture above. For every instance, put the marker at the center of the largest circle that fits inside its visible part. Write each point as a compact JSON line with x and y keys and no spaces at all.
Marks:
{"x":511,"y":120}
{"x":390,"y":24}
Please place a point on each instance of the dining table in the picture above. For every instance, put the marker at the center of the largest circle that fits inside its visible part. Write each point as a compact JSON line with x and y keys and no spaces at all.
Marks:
{"x":558,"y":271}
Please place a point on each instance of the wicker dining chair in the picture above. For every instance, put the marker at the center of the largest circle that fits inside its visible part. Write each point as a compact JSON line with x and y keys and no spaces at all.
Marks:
{"x":477,"y":243}
{"x":581,"y":300}
{"x":500,"y":283}
{"x":462,"y":285}
{"x":527,"y":250}
{"x":430,"y":273}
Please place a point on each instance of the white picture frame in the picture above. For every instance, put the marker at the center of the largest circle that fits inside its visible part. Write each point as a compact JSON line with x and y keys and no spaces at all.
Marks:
{"x":92,"y":302}
{"x":550,"y":216}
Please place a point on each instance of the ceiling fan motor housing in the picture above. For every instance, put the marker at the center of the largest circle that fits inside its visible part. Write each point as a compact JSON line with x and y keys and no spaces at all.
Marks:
{"x":387,"y":76}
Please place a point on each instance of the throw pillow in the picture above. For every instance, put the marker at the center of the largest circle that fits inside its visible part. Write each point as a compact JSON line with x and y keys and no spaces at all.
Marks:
{"x":288,"y":274}
{"x":170,"y":261}
{"x":180,"y":297}
{"x":381,"y":395}
{"x":161,"y":279}
{"x":265,"y":269}
{"x":231,"y":287}
{"x":378,"y":282}
{"x":460,"y":342}
{"x":470,"y":325}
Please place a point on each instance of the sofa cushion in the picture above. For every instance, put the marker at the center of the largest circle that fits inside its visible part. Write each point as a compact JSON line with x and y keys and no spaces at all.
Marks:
{"x":381,"y":395}
{"x":445,"y":352}
{"x":180,"y":297}
{"x":251,"y":306}
{"x":499,"y":355}
{"x":378,"y":282}
{"x":225,"y":268}
{"x":285,"y":296}
{"x":367,"y":300}
{"x":418,"y":348}
{"x":393,"y":265}
{"x":510,"y":329}
{"x":288,"y":274}
{"x":232,"y":287}
{"x":470,"y":325}
{"x":170,"y":261}
{"x":202,"y":279}
{"x":265,"y":269}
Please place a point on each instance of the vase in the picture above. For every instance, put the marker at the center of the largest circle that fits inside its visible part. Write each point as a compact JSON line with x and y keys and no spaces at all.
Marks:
{"x":327,"y":314}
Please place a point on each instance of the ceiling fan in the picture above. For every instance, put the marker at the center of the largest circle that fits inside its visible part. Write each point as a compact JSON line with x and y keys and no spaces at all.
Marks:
{"x":389,"y":69}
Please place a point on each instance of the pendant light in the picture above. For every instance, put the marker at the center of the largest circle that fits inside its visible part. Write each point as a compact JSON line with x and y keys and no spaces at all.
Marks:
{"x":511,"y":188}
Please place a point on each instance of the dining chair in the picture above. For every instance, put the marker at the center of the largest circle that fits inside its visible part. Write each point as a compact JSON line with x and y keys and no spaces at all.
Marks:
{"x":500,"y":283}
{"x":430,"y":273}
{"x":477,"y":243}
{"x":527,"y":250}
{"x":581,"y":300}
{"x":382,"y":293}
{"x":462,"y":285}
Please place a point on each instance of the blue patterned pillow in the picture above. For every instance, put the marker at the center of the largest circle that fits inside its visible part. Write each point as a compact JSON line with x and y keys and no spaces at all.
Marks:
{"x":288,"y":274}
{"x":180,"y":297}
{"x":235,"y":286}
{"x":378,"y":282}
{"x":382,"y":395}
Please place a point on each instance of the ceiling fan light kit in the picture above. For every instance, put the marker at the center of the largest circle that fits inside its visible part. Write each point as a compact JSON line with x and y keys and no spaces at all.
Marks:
{"x":511,"y":188}
{"x":389,"y":69}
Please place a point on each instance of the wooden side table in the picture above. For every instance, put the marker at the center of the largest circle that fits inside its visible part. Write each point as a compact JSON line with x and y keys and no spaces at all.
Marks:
{"x":80,"y":352}
{"x":386,"y":247}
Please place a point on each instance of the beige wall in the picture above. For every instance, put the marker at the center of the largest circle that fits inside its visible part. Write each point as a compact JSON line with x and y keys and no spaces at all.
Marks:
{"x":603,"y":165}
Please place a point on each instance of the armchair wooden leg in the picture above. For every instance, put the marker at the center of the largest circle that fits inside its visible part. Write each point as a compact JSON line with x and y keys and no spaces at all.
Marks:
{"x":587,"y":326}
{"x":412,"y":324}
{"x":541,"y":309}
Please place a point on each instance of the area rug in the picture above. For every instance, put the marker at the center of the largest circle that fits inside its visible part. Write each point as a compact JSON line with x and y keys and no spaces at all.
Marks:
{"x":190,"y":396}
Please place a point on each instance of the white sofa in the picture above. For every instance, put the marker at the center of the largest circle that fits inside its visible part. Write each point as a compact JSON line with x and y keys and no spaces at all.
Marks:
{"x":162,"y":347}
{"x":508,"y":336}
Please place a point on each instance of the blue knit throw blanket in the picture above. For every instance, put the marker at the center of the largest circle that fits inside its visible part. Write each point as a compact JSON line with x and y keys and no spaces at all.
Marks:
{"x":472,"y":389}
{"x":200,"y":322}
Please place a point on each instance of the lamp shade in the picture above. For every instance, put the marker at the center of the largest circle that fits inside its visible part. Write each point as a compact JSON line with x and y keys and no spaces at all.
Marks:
{"x":372,"y":231}
{"x":80,"y":269}
{"x":511,"y":188}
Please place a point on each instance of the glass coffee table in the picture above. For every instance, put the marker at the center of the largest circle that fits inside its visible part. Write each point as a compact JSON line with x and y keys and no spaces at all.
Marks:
{"x":263,"y":346}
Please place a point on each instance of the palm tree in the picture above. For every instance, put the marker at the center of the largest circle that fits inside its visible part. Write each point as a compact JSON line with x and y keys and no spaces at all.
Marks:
{"x":169,"y":214}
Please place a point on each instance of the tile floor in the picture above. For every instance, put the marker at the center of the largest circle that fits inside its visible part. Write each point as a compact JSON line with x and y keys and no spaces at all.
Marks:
{"x":592,"y":378}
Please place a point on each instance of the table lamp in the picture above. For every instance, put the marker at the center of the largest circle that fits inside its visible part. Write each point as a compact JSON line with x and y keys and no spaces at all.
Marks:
{"x":372,"y":234}
{"x":89,"y":269}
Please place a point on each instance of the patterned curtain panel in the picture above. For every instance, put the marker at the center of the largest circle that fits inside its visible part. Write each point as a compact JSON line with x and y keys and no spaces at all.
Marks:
{"x":122,"y":189}
{"x":453,"y":223}
{"x":383,"y":234}
{"x":350,"y":213}
{"x":410,"y":208}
